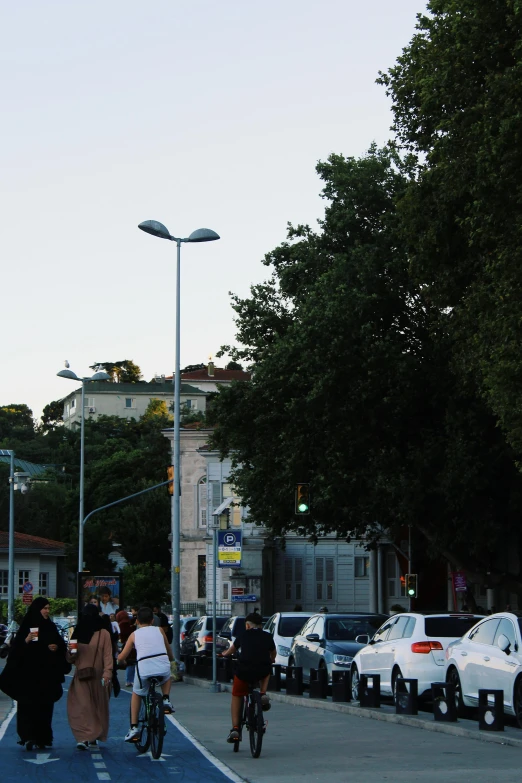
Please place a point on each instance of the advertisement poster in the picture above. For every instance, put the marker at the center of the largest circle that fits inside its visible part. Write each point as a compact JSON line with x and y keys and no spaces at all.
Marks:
{"x":459,"y":581}
{"x":106,"y":590}
{"x":229,"y":549}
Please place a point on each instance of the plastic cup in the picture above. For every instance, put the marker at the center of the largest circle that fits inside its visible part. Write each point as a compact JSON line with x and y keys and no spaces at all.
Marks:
{"x":73,"y":646}
{"x":34,"y":631}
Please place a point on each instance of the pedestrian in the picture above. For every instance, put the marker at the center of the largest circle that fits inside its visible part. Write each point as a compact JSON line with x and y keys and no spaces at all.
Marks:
{"x":88,"y":697}
{"x":126,"y":628}
{"x":95,"y":601}
{"x":323,"y":610}
{"x":109,"y":626}
{"x":164,"y":622}
{"x":33,"y":675}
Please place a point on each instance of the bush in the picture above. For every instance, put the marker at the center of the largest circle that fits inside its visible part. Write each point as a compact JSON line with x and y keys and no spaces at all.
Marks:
{"x":65,"y":606}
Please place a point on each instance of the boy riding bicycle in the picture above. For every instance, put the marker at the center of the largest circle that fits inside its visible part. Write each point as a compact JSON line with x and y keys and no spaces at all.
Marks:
{"x":257,"y":653}
{"x":153,"y":656}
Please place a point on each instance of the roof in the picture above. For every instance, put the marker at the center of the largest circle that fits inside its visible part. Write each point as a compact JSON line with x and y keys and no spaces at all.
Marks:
{"x":219,"y":375}
{"x":27,"y":467}
{"x":142,"y":387}
{"x":26,"y":543}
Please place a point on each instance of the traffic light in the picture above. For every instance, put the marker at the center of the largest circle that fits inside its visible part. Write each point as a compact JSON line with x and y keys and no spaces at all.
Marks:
{"x":302,"y":499}
{"x":411,"y":585}
{"x":170,"y":476}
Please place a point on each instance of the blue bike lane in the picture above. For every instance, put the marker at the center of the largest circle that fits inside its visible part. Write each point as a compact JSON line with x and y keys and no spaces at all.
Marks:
{"x":183,"y":758}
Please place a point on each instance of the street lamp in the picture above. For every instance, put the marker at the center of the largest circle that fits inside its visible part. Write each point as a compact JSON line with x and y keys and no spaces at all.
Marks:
{"x":11,"y":536}
{"x":200,"y":235}
{"x":98,"y":376}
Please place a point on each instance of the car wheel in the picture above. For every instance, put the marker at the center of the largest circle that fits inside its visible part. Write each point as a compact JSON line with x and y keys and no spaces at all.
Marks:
{"x":517,"y":701}
{"x":452,"y":676}
{"x":355,"y":683}
{"x":395,"y":674}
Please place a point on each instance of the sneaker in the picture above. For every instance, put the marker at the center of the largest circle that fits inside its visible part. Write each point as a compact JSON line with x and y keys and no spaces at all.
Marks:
{"x":265,"y":702}
{"x":129,"y":684}
{"x":81,"y":745}
{"x":167,"y":707}
{"x":93,"y":744}
{"x":233,"y":736}
{"x":133,"y":734}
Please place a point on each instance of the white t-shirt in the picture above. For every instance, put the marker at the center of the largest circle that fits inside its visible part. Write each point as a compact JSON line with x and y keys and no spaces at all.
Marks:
{"x":149,"y":641}
{"x":109,"y":608}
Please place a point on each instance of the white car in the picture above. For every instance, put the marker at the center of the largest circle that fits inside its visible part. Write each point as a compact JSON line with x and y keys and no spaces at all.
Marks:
{"x":284,"y":626}
{"x":410,"y":645}
{"x":488,"y":656}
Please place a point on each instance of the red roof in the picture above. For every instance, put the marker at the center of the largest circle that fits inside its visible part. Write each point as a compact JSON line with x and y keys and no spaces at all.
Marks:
{"x":219,"y":375}
{"x":23,"y":541}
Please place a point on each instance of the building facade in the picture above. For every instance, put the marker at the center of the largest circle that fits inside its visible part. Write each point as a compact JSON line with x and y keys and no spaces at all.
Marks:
{"x":39,"y":561}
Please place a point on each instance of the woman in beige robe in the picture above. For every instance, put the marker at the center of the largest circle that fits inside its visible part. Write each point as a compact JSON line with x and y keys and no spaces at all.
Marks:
{"x":88,"y":700}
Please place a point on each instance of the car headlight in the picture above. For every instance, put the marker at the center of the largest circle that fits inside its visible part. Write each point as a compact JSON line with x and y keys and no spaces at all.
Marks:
{"x":282,"y":650}
{"x":342,"y":660}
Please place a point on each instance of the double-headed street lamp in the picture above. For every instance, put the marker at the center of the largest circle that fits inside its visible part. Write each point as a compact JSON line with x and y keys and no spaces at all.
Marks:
{"x":98,"y":376}
{"x":200,"y":235}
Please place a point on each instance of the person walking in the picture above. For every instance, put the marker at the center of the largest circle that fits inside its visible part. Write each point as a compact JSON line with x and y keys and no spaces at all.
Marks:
{"x":126,"y":628}
{"x":88,"y":697}
{"x":34,"y":673}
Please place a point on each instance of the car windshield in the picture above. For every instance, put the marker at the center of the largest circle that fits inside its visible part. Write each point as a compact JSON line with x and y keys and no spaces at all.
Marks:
{"x":348,"y":628}
{"x":452,"y":627}
{"x":220,"y":622}
{"x":290,"y":626}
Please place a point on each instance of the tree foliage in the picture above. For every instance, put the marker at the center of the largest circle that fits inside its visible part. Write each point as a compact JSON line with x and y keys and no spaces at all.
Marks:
{"x":125,"y":371}
{"x":52,"y":414}
{"x":146,"y":584}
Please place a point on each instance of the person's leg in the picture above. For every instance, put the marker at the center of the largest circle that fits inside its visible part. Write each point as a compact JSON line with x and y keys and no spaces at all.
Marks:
{"x":263,"y":684}
{"x":235,"y":710}
{"x":129,"y":674}
{"x":165,"y":688}
{"x":135,"y":708}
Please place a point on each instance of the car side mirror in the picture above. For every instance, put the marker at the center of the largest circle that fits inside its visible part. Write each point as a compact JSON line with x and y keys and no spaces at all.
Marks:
{"x":363,"y":638}
{"x":504,"y":643}
{"x":313,"y":637}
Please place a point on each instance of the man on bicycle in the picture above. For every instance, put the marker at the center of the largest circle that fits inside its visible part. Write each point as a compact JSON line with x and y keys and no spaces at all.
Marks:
{"x":257,"y":653}
{"x":153,"y":656}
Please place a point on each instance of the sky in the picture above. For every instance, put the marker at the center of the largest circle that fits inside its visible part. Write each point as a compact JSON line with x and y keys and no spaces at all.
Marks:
{"x":196,"y":114}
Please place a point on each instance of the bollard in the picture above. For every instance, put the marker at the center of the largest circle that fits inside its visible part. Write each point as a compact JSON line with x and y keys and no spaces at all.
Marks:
{"x":341,"y":686}
{"x":224,"y":669}
{"x":274,"y":683}
{"x":444,"y":706}
{"x":370,"y":690}
{"x":406,"y":698}
{"x":318,"y":683}
{"x":294,"y":680}
{"x":491,"y":717}
{"x":208,"y":667}
{"x":200,"y":668}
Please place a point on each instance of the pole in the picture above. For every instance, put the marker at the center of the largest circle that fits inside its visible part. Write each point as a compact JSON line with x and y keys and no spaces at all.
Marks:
{"x":82,"y":470}
{"x":409,"y":564}
{"x":11,"y":565}
{"x":215,"y":687}
{"x":176,"y":532}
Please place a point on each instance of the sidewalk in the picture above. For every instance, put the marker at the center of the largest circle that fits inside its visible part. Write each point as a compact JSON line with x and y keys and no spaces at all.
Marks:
{"x":6,"y":703}
{"x":317,"y":744}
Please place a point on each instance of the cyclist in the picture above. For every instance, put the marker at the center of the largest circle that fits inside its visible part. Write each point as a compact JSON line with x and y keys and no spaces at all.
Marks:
{"x":153,"y":656}
{"x":257,"y":653}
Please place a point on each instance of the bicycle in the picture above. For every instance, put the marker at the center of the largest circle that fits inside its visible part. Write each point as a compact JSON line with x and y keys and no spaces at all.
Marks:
{"x":252,"y":718}
{"x":151,"y":721}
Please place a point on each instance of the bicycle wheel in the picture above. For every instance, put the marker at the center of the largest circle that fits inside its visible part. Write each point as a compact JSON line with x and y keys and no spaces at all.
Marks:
{"x":256,"y":724}
{"x":157,"y":726}
{"x":143,"y":743}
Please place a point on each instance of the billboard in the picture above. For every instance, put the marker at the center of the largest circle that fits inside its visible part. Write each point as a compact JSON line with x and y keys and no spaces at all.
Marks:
{"x":107,"y":589}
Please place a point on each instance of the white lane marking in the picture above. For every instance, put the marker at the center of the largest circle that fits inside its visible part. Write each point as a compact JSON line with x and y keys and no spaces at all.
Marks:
{"x":163,"y":757}
{"x":41,"y":758}
{"x":96,"y":756}
{"x":103,"y":776}
{"x":100,"y":765}
{"x":7,"y":721}
{"x":229,"y":773}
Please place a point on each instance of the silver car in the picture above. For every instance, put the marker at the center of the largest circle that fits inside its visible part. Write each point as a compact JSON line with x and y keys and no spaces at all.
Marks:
{"x":329,"y":641}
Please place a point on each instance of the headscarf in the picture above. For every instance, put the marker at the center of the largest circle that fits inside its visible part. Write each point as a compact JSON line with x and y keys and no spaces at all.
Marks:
{"x":47,"y":630}
{"x":88,"y":623}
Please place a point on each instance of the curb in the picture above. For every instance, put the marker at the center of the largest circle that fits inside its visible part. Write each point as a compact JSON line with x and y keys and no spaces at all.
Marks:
{"x":499,"y":738}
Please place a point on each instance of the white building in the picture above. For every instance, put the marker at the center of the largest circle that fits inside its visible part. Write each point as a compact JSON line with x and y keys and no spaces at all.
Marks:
{"x":39,"y":561}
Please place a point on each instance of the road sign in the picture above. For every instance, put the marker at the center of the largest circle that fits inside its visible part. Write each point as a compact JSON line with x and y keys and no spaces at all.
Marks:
{"x":238,"y":591}
{"x":243,"y":599}
{"x":229,"y":548}
{"x":27,"y":587}
{"x":459,"y":581}
{"x":27,"y":598}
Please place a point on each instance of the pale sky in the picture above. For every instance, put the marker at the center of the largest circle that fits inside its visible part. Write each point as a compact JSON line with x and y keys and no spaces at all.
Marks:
{"x":197,"y":114}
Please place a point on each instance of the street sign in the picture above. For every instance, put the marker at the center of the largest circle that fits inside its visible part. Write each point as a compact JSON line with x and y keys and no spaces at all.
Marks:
{"x":27,"y":587}
{"x":229,"y":548}
{"x":459,"y":581}
{"x":238,"y":591}
{"x":27,"y":598}
{"x":243,"y":599}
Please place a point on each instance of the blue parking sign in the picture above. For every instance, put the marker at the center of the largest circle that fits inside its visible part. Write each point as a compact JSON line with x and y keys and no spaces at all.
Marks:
{"x":229,"y":548}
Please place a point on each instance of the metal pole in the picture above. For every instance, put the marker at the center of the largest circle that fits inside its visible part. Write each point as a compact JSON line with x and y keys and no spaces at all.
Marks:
{"x":82,"y":468}
{"x":409,"y":564}
{"x":176,"y":531}
{"x":215,"y":687}
{"x":11,"y":565}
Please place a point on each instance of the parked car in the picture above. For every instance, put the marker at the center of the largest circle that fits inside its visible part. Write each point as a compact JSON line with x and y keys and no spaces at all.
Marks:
{"x":199,"y":639}
{"x":489,"y":655}
{"x":233,"y":628}
{"x":410,"y":644}
{"x":3,"y":633}
{"x":185,"y":625}
{"x":329,"y":641}
{"x":284,"y":626}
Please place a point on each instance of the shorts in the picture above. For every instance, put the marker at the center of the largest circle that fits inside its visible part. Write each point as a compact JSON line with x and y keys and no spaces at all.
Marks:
{"x":141,"y":684}
{"x":241,"y":687}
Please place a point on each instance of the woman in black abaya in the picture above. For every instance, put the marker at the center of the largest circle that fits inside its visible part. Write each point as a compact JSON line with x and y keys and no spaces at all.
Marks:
{"x":33,"y":675}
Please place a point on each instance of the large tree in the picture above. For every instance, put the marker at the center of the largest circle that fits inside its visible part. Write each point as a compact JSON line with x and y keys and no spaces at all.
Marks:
{"x":125,"y":371}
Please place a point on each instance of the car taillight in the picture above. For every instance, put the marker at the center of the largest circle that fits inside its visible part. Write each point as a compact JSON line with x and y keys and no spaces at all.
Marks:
{"x":183,"y":634}
{"x":426,"y":647}
{"x":208,"y":637}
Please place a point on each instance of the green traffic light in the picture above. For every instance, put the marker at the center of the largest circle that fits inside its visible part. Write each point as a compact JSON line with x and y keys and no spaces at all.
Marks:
{"x":411,"y":591}
{"x":302,"y":507}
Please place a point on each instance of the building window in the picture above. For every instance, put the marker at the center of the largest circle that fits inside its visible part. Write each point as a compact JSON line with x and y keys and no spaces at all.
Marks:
{"x":288,"y":591}
{"x":130,"y":402}
{"x":202,"y":502}
{"x":396,"y":581}
{"x":89,"y":402}
{"x":23,"y":577}
{"x":4,"y":579}
{"x":43,"y":584}
{"x":73,"y":403}
{"x":202,"y":576}
{"x":362,"y":565}
{"x":226,"y":591}
{"x":324,"y":578}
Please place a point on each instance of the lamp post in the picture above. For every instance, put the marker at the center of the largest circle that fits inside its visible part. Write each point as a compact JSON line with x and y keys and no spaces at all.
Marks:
{"x":98,"y":376}
{"x":200,"y":235}
{"x":11,"y":536}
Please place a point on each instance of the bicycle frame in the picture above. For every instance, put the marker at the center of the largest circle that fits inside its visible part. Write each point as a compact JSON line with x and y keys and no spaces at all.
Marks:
{"x":252,"y":718}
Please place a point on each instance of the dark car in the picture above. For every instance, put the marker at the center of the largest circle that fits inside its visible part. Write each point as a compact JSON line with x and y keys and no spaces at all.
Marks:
{"x":233,"y":628}
{"x":329,"y":641}
{"x":199,"y":639}
{"x":3,"y":633}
